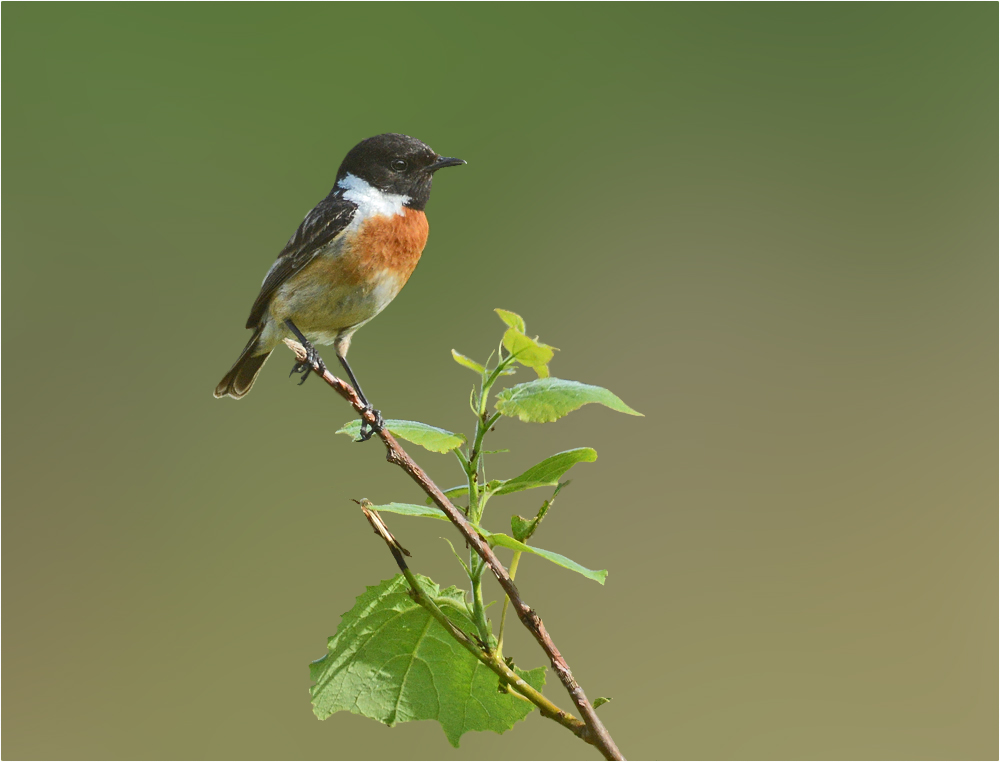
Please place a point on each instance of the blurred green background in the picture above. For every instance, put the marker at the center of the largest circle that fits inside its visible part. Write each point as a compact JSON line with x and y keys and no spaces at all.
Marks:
{"x":771,"y":228}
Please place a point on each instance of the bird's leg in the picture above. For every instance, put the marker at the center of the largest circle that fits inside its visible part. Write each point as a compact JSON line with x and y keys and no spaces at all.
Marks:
{"x":367,"y":430}
{"x":312,"y":356}
{"x":313,"y":359}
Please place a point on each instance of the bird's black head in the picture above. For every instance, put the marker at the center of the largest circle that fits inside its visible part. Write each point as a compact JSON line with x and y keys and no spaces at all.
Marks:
{"x":396,"y":164}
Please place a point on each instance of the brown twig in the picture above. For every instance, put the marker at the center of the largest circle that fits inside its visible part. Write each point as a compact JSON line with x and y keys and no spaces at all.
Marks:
{"x":595,"y":732}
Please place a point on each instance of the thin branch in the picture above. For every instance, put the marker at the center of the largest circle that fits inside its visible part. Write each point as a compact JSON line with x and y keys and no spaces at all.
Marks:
{"x":514,"y":681}
{"x":595,"y":732}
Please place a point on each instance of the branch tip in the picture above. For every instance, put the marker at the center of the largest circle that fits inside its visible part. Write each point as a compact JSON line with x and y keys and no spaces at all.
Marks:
{"x":298,"y":349}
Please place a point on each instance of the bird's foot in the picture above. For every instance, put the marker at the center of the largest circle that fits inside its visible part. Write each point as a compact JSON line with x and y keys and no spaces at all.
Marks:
{"x":369,"y":430}
{"x":312,"y":361}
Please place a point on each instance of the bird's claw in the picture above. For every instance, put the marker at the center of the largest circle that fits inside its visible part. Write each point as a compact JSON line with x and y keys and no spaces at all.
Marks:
{"x":368,"y":430}
{"x":312,"y":361}
{"x":301,"y":367}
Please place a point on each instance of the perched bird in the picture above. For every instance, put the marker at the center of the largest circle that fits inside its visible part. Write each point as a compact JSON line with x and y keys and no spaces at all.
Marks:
{"x":349,"y":258}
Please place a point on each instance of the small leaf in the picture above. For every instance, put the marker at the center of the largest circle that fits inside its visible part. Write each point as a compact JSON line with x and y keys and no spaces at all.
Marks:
{"x":601,"y":701}
{"x":548,"y":472}
{"x":521,"y":527}
{"x":460,"y":559}
{"x":549,"y":399}
{"x":467,"y":362}
{"x":409,"y":509}
{"x":428,"y":437}
{"x":512,"y":319}
{"x":528,"y":351}
{"x":505,"y":541}
{"x":393,"y":662}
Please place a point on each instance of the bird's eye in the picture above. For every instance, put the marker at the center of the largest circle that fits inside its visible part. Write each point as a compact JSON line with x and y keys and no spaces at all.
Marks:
{"x":398,"y":165}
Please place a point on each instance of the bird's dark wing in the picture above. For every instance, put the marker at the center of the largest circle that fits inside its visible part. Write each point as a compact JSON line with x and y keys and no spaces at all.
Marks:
{"x":321,"y":225}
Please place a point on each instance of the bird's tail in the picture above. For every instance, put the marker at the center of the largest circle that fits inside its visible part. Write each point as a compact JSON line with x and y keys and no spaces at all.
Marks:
{"x":241,"y":376}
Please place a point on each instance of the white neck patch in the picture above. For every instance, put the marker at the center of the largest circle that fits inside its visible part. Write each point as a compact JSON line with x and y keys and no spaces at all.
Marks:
{"x":370,"y":200}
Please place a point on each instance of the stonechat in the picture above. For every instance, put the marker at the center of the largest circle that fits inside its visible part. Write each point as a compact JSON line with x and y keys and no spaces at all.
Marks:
{"x":348,"y":259}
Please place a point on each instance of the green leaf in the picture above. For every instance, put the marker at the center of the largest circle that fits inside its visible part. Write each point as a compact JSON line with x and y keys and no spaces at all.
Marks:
{"x":428,"y":437}
{"x":409,"y":509}
{"x":460,"y":559}
{"x":467,"y":362}
{"x":601,"y":701}
{"x":505,"y":541}
{"x":422,"y":511}
{"x":452,"y":493}
{"x":521,"y":527}
{"x":549,"y":399}
{"x":393,"y":662}
{"x":548,"y":472}
{"x":528,"y":351}
{"x":512,"y":319}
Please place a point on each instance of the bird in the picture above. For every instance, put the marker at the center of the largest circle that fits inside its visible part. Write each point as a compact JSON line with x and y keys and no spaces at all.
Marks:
{"x":349,"y":258}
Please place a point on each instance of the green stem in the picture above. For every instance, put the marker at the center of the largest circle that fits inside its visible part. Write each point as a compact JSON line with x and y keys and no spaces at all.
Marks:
{"x":476,"y":564}
{"x":506,"y":602}
{"x":473,"y":466}
{"x":479,"y":609}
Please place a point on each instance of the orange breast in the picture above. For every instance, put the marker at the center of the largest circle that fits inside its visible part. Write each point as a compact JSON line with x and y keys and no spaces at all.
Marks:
{"x":384,"y":244}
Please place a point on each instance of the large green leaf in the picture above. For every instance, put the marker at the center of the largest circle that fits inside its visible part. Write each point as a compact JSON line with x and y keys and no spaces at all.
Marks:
{"x":549,"y":399}
{"x":506,"y":541}
{"x":548,"y":472}
{"x":393,"y":662}
{"x":429,"y":437}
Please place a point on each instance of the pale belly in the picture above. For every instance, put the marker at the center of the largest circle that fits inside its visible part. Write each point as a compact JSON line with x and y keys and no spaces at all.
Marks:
{"x":325,"y":310}
{"x":344,"y":287}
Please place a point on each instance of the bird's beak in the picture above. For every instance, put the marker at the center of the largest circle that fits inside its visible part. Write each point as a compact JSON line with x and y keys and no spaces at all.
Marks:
{"x":445,"y":161}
